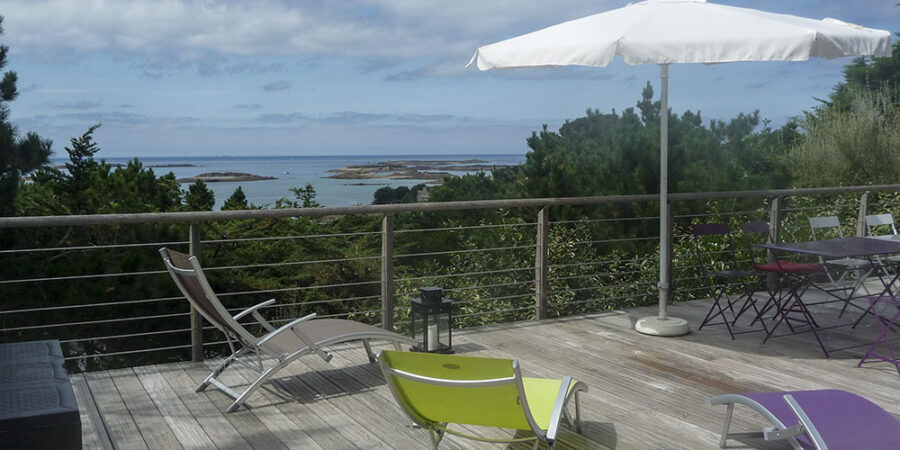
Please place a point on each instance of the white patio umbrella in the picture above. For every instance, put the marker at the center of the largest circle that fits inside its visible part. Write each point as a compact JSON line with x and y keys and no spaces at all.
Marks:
{"x":680,"y":31}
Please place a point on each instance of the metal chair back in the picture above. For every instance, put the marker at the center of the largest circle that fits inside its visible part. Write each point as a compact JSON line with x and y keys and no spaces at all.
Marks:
{"x":825,"y":223}
{"x":874,"y":222}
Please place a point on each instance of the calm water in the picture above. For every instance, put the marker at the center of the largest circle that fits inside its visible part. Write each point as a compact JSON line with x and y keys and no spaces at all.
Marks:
{"x":292,"y":171}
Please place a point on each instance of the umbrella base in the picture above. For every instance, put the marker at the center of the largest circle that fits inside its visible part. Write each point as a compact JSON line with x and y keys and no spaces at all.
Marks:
{"x":670,"y":326}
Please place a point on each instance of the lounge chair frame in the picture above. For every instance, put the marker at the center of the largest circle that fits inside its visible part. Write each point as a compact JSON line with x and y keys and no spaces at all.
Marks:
{"x":779,"y":431}
{"x":569,"y":387}
{"x":832,"y":418}
{"x":188,"y":276}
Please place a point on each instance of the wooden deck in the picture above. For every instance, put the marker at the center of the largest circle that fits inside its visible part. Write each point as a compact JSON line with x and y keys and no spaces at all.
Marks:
{"x":645,"y":392}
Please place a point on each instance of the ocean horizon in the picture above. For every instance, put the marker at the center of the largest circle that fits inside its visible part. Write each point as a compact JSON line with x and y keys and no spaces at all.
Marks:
{"x":297,"y":171}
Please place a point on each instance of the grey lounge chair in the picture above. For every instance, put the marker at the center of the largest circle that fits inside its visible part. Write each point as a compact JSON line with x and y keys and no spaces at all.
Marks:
{"x":285,"y":344}
{"x":823,"y":419}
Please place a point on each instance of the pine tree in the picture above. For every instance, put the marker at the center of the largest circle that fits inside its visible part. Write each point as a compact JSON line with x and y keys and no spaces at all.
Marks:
{"x":18,"y":155}
{"x":237,"y":200}
{"x":199,"y":197}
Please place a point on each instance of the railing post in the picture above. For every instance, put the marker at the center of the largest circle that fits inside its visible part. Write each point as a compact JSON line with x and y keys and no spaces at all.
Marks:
{"x":387,"y":272}
{"x":774,"y":232}
{"x":196,"y":318}
{"x":863,"y":211}
{"x":541,"y":269}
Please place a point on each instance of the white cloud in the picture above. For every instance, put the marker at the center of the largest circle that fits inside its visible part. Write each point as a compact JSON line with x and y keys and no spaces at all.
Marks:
{"x":189,"y":30}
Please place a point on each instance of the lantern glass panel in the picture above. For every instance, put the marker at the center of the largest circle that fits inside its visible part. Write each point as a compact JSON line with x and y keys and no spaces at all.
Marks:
{"x":430,"y":326}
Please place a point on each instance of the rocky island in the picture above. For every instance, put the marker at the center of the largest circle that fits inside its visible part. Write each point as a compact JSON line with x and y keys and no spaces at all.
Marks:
{"x":213,"y":177}
{"x":435,"y":171}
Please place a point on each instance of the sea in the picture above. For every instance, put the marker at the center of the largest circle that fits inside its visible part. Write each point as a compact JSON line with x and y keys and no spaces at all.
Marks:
{"x":296,"y":171}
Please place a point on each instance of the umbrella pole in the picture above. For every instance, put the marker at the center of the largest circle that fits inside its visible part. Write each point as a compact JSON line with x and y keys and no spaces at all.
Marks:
{"x":664,"y":224}
{"x":663,"y":325}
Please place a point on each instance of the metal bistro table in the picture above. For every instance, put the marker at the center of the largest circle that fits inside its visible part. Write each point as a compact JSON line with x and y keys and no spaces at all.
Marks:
{"x":847,"y":247}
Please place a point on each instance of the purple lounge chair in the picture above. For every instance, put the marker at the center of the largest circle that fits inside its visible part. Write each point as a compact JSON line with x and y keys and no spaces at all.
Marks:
{"x":826,"y":419}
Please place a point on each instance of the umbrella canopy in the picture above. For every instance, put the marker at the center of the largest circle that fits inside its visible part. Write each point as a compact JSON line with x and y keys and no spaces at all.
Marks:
{"x":683,"y":31}
{"x":680,"y":31}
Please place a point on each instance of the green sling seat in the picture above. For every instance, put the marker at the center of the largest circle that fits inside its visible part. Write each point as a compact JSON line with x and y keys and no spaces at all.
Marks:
{"x":437,"y":390}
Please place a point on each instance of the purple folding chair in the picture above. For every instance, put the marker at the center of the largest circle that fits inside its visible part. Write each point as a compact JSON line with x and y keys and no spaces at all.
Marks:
{"x":720,"y":270}
{"x":887,"y":329}
{"x":825,"y":419}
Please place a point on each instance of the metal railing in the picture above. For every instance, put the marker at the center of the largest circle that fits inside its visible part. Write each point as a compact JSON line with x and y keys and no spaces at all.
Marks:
{"x":549,"y":268}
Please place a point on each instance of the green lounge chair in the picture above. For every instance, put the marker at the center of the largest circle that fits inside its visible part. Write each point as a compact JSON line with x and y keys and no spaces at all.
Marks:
{"x":437,"y":390}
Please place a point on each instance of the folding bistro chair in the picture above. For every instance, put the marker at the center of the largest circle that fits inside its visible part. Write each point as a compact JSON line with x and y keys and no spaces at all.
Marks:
{"x":721,"y":275}
{"x":844,"y":266}
{"x":887,"y":330}
{"x":285,"y":344}
{"x":876,"y":225}
{"x":879,"y":222}
{"x":436,"y":390}
{"x":788,"y":272}
{"x":824,"y":419}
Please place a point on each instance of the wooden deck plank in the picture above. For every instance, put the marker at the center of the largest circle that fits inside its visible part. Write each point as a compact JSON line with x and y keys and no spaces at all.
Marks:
{"x":295,"y":424}
{"x":254,"y":431}
{"x":92,"y":427}
{"x":153,"y":427}
{"x":214,"y":423}
{"x":120,"y":426}
{"x":311,"y":405}
{"x":177,"y":415}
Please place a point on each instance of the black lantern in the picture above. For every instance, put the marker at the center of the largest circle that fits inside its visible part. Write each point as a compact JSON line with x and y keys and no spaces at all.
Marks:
{"x":432,"y":319}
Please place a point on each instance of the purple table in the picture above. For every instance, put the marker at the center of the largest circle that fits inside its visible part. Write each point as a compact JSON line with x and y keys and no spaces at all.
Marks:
{"x":847,"y":247}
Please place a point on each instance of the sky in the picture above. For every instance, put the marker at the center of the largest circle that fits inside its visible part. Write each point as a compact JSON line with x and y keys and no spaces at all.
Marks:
{"x":353,"y":77}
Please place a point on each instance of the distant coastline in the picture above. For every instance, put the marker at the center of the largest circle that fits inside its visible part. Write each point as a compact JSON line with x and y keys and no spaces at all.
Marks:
{"x":416,"y":169}
{"x":285,"y":172}
{"x":217,"y":177}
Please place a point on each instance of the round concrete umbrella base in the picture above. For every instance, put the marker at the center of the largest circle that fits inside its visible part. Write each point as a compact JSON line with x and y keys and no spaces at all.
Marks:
{"x":670,"y":326}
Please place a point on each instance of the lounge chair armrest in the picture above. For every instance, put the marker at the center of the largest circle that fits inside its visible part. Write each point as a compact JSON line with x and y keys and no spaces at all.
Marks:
{"x":253,"y":308}
{"x":255,"y":311}
{"x":292,"y":326}
{"x":561,"y":398}
{"x":807,"y":423}
{"x":285,"y":327}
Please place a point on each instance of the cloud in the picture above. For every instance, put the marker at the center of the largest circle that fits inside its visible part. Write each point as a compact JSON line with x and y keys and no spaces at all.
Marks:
{"x":361,"y":118}
{"x":424,"y":118}
{"x":281,"y":118}
{"x":191,"y":31}
{"x":120,"y":118}
{"x":211,"y":68}
{"x":352,"y":117}
{"x":83,"y":104}
{"x":248,"y":106}
{"x":280,"y":85}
